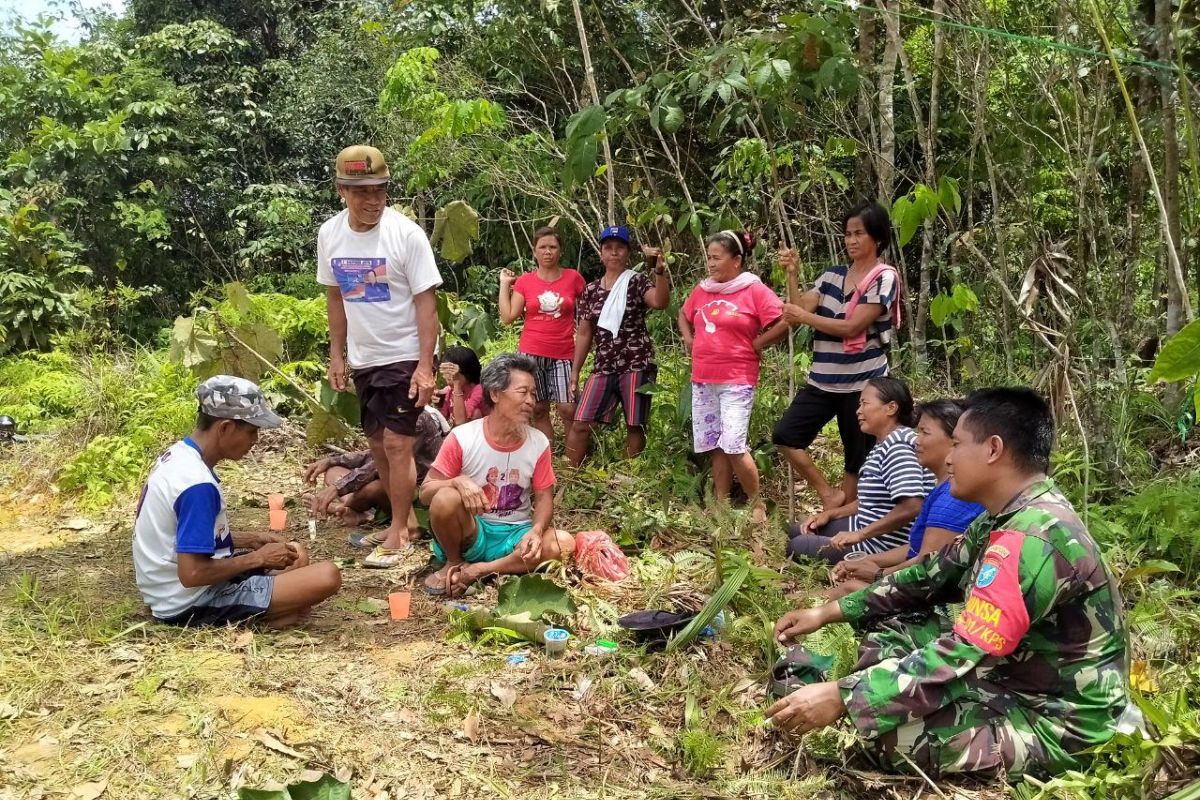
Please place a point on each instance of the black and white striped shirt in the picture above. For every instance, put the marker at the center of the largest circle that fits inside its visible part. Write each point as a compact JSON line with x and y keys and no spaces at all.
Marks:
{"x":890,"y":474}
{"x":833,"y":369}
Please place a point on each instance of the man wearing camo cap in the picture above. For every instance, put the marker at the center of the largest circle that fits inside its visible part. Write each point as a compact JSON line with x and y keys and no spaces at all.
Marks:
{"x":191,"y":568}
{"x":1034,"y":671}
{"x":380,"y":276}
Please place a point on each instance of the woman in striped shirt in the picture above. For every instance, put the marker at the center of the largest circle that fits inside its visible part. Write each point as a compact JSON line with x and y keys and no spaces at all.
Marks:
{"x":891,"y":489}
{"x":850,"y":310}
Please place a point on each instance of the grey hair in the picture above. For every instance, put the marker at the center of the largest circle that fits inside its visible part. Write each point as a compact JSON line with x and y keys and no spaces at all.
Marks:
{"x":498,"y":373}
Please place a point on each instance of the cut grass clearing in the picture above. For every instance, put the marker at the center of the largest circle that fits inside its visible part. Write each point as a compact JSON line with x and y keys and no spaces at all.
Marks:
{"x":94,"y":691}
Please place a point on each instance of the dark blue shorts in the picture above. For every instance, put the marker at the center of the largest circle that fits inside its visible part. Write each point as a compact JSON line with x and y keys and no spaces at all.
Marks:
{"x":240,"y":599}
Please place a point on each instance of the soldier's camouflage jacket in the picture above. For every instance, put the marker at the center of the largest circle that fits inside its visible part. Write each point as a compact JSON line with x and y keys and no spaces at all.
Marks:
{"x":1043,"y":624}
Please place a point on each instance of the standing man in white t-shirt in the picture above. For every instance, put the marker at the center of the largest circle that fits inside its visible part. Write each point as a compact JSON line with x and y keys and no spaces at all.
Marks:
{"x":380,"y":276}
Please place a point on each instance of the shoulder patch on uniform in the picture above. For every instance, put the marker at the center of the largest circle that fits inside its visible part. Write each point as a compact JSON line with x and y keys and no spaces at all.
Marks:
{"x":995,"y":618}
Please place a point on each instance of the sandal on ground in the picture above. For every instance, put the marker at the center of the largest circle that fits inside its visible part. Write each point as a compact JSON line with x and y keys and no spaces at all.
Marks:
{"x":385,"y":557}
{"x":440,"y":591}
{"x":370,"y":539}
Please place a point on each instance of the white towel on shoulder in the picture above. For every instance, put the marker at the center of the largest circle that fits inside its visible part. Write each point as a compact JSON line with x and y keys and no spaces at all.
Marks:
{"x":612,"y":314}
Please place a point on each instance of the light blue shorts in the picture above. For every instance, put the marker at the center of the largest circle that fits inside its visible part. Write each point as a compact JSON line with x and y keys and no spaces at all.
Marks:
{"x":493,"y":540}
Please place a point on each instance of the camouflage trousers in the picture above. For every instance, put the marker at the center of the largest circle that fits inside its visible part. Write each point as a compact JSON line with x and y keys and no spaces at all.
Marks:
{"x":982,"y":729}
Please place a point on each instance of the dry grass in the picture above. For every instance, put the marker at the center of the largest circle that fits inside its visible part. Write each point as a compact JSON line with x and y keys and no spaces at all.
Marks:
{"x":93,"y":693}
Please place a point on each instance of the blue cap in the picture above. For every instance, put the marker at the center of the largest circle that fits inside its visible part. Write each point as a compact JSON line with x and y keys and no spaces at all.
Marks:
{"x":615,"y":232}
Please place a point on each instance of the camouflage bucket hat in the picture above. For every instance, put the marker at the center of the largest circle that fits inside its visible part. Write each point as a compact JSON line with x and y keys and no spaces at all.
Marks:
{"x":228,"y":397}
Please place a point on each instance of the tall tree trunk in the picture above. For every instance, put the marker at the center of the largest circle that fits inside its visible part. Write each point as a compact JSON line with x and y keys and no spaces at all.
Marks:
{"x":864,"y":175}
{"x":1143,"y":95}
{"x":927,"y":136}
{"x":1176,"y":289}
{"x":590,"y":77}
{"x":886,"y":168}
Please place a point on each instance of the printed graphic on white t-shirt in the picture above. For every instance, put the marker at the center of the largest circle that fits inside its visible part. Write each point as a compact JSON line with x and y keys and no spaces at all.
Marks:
{"x":362,"y":280}
{"x":377,"y":273}
{"x":550,"y":303}
{"x":507,"y":476}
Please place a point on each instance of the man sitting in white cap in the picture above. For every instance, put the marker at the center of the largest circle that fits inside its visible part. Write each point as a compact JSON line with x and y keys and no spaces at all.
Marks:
{"x":183,"y":549}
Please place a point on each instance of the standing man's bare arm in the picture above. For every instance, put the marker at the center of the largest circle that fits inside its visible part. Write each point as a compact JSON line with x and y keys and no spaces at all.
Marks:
{"x":337,"y":337}
{"x":423,"y":383}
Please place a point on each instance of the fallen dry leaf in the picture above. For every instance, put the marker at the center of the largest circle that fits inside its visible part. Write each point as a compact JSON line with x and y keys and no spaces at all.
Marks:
{"x":271,"y":743}
{"x":88,"y":791}
{"x":244,"y":640}
{"x":187,"y":760}
{"x":9,"y":712}
{"x":505,"y":694}
{"x":643,"y":680}
{"x":582,"y":686}
{"x":471,"y":726}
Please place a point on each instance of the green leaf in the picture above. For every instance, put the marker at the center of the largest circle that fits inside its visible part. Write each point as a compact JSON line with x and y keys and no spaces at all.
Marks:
{"x":581,"y":162}
{"x":237,"y":297}
{"x":940,"y":309}
{"x":683,"y":408}
{"x":1180,"y":357}
{"x":327,"y":787}
{"x":586,"y":122}
{"x":1147,"y":568}
{"x":840,"y":147}
{"x":263,"y":794}
{"x":343,"y":404}
{"x":672,"y":118}
{"x":721,"y":598}
{"x":325,"y":426}
{"x":534,"y":595}
{"x":948,"y":195}
{"x":191,"y":346}
{"x":455,"y":229}
{"x":237,"y":358}
{"x":782,"y":67}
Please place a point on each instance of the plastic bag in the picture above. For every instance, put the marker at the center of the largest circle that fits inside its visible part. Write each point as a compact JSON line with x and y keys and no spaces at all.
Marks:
{"x":597,"y":554}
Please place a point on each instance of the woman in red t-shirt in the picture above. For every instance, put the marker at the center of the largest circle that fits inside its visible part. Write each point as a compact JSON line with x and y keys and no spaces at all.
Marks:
{"x":546,"y":299}
{"x":726,"y":323}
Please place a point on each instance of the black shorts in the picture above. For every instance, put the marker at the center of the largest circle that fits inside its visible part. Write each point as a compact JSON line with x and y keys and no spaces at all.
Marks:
{"x":383,"y":400}
{"x":810,"y":410}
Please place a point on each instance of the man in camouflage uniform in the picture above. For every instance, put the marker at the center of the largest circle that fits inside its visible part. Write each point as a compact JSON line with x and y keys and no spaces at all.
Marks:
{"x":1033,"y":671}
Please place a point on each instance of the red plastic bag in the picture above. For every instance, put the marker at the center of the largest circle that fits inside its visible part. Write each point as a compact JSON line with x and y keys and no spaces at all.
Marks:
{"x":598,"y":554}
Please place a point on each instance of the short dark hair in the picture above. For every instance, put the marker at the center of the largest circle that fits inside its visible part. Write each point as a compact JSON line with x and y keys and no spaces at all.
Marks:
{"x":894,"y":390}
{"x":543,"y":232}
{"x":877,"y":222}
{"x":740,"y":243}
{"x":467,"y":361}
{"x":1020,"y":417}
{"x":944,"y":410}
{"x":206,"y":421}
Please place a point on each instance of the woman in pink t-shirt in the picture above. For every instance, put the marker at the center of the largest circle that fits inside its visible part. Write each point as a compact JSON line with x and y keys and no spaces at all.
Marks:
{"x":546,"y":299}
{"x":726,"y":323}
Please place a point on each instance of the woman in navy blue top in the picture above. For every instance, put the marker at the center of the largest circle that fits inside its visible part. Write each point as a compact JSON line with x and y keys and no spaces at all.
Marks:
{"x":942,"y":516}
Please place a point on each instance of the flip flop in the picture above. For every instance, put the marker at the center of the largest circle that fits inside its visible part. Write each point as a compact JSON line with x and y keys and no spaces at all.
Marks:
{"x":442,"y":591}
{"x":370,"y":539}
{"x":386,"y":558}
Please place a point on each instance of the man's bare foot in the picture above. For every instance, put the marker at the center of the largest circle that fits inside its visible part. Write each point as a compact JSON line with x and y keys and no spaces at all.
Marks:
{"x":353,"y":518}
{"x":396,"y":537}
{"x":462,"y":578}
{"x":834,"y":498}
{"x":436,"y":583}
